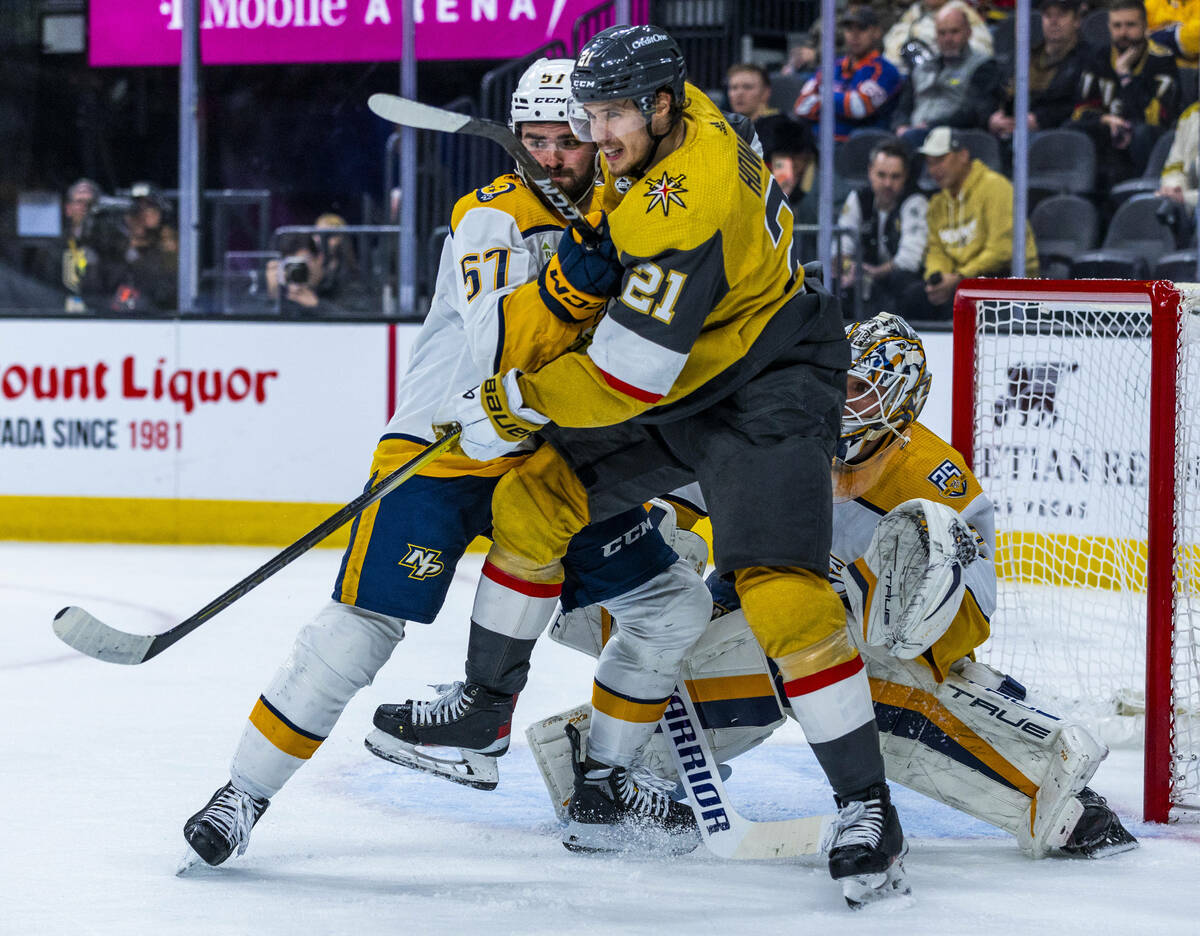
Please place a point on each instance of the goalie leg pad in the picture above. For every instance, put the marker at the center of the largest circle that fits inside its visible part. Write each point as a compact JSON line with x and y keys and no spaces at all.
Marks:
{"x":980,"y":751}
{"x":333,"y":657}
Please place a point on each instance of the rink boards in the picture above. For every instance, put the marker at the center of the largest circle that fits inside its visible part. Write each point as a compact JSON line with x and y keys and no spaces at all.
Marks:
{"x":206,"y":432}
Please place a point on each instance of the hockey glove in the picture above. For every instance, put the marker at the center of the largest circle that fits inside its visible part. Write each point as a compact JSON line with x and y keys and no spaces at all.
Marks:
{"x":580,"y":277}
{"x":492,"y":416}
{"x":914,"y":565}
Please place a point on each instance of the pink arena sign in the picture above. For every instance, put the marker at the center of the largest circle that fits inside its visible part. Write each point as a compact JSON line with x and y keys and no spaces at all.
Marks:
{"x":251,"y":32}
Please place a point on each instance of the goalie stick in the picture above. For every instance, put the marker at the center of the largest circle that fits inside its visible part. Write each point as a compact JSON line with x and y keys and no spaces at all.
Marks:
{"x":409,"y":113}
{"x":725,"y":831}
{"x":87,"y":634}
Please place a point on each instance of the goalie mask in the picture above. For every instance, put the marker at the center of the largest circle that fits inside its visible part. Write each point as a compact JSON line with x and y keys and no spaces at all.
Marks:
{"x":888,"y":384}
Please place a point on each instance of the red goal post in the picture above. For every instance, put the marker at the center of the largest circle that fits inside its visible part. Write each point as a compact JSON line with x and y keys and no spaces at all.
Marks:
{"x":1077,"y":403}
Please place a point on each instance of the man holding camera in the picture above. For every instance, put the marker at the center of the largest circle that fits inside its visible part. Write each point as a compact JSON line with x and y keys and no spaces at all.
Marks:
{"x":970,"y":227}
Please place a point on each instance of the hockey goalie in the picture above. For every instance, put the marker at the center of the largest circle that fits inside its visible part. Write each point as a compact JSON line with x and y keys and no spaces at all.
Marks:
{"x":912,"y":558}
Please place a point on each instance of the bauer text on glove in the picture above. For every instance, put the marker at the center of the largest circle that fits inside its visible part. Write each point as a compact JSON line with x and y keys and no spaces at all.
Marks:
{"x":493,"y":419}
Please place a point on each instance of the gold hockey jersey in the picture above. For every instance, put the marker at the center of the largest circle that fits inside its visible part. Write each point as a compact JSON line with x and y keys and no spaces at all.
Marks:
{"x":706,"y":240}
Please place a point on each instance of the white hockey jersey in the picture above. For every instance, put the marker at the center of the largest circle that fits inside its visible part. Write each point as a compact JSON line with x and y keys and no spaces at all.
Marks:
{"x":486,"y":316}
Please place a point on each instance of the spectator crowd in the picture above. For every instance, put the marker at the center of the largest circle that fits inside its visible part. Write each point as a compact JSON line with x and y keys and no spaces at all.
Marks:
{"x":924,"y":120}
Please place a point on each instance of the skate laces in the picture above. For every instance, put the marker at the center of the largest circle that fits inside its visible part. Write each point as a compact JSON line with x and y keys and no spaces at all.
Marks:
{"x":233,"y":815}
{"x":644,"y":791}
{"x":857,"y":823}
{"x":448,"y":706}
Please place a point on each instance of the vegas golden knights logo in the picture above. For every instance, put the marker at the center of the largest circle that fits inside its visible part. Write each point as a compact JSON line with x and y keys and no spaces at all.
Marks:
{"x":425,"y":563}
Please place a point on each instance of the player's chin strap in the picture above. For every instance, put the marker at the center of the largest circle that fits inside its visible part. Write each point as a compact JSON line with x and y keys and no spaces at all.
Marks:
{"x":656,"y":140}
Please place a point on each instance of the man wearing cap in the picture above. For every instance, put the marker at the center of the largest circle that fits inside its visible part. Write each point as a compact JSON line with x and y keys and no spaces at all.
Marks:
{"x":970,"y":227}
{"x":866,"y":85}
{"x":1055,"y":67}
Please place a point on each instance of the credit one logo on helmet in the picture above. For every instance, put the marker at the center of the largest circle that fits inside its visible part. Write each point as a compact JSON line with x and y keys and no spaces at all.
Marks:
{"x":648,"y":40}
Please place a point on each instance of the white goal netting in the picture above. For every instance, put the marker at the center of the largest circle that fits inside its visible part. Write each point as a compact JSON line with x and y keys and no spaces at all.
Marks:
{"x":1062,"y":446}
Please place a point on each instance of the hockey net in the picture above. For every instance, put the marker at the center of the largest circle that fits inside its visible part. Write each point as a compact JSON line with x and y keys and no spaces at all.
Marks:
{"x":1077,"y":404}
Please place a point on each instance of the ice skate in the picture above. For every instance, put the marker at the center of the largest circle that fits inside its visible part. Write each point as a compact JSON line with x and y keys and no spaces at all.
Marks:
{"x":616,"y":809}
{"x":865,"y":846}
{"x":221,"y":826}
{"x":1099,"y":832}
{"x":457,"y":736}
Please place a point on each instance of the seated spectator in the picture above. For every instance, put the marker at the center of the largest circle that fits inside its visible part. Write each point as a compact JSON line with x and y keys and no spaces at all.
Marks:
{"x":888,"y":216}
{"x":1180,"y":178}
{"x":1128,"y":96}
{"x":1175,"y":25}
{"x":149,"y":274}
{"x":958,"y":87}
{"x":914,"y":37}
{"x":970,"y":227}
{"x":749,"y":90}
{"x":295,"y":282}
{"x":866,"y":85}
{"x":1055,"y":68}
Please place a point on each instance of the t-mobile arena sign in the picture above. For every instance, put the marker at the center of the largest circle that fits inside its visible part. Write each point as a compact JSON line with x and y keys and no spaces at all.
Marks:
{"x":251,"y":32}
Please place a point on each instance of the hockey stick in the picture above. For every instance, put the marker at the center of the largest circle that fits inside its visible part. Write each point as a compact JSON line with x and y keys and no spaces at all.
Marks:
{"x":725,"y":831}
{"x":408,"y":113}
{"x":87,"y":634}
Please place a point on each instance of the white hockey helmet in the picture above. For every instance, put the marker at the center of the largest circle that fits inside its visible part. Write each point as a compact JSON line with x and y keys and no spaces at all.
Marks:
{"x":888,"y":355}
{"x":542,"y":93}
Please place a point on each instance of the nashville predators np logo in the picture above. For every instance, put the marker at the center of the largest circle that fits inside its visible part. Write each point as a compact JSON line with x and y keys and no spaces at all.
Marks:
{"x":664,"y":192}
{"x":949,"y":479}
{"x":425,"y":563}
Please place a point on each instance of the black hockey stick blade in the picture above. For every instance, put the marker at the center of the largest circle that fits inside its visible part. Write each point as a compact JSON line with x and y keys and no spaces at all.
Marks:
{"x":88,"y":634}
{"x":408,"y":113}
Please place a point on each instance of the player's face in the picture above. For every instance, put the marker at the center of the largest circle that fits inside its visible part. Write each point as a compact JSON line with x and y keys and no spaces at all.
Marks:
{"x":619,"y":130}
{"x":569,"y":161}
{"x":861,"y":398}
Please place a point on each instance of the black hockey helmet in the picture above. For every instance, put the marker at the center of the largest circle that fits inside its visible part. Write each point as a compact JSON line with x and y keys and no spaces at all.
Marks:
{"x":629,"y":62}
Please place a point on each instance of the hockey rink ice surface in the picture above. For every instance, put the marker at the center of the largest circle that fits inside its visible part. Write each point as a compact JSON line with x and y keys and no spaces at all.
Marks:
{"x":101,"y":765}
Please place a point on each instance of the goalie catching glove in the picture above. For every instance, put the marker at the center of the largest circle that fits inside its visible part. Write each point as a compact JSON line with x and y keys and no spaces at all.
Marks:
{"x":907,"y":588}
{"x":581,"y":277}
{"x":492,"y":417}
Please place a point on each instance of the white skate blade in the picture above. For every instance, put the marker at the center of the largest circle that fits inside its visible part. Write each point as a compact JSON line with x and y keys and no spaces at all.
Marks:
{"x":187,"y":861}
{"x":449,"y":763}
{"x":860,"y":890}
{"x":627,"y":838}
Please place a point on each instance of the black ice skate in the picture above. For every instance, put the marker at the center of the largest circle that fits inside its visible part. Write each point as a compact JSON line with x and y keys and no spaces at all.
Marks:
{"x":614,"y":809}
{"x":221,"y":826}
{"x":1099,"y":832}
{"x":866,"y":845}
{"x":457,"y":736}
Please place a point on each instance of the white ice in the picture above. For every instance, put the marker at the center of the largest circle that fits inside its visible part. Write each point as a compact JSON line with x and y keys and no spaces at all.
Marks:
{"x":100,"y":765}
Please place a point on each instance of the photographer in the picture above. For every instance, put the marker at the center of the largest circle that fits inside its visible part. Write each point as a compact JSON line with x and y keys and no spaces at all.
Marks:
{"x":148,"y":277}
{"x":91,"y":246}
{"x":294,"y":282}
